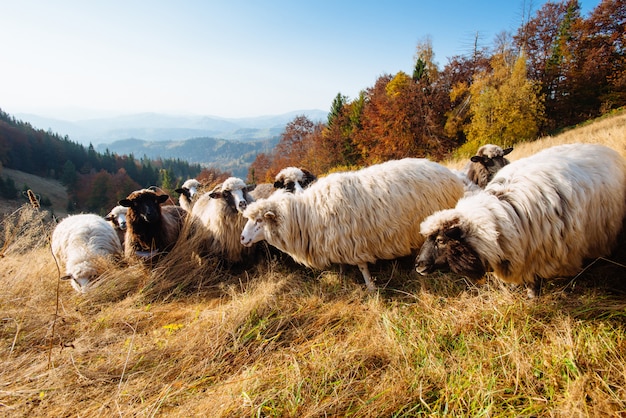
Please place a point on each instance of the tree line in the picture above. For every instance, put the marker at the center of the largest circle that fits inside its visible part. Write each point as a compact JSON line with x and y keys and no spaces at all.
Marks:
{"x":558,"y":69}
{"x":94,"y":181}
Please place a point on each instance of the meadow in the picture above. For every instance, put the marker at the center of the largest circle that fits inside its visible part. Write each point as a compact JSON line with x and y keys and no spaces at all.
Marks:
{"x":186,"y":337}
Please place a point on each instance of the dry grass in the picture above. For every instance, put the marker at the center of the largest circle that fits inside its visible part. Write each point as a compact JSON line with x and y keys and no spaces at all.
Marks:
{"x":187,"y":337}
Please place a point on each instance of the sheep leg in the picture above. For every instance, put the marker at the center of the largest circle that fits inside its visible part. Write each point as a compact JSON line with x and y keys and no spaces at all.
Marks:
{"x":365,"y":271}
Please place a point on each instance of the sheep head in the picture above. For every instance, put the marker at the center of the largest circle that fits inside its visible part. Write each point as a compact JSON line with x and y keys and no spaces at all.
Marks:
{"x":446,"y":248}
{"x":293,"y":179}
{"x":117,"y":217}
{"x":234,"y":192}
{"x":262,"y":218}
{"x":144,"y":205}
{"x":490,"y":155}
{"x":189,"y":188}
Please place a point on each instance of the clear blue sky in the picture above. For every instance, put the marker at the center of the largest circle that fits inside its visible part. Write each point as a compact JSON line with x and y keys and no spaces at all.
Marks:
{"x":231,"y":58}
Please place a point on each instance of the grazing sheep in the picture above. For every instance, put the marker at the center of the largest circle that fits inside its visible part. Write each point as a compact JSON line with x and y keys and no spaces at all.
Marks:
{"x":187,"y":192}
{"x":486,"y":163}
{"x":117,"y":218}
{"x":355,"y":217}
{"x":294,"y":179}
{"x":539,"y":218}
{"x":220,"y":212}
{"x":151,"y":229}
{"x":79,"y":243}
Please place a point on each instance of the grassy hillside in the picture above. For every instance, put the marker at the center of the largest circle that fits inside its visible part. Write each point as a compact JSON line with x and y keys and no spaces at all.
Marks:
{"x":42,"y":187}
{"x":185,"y":338}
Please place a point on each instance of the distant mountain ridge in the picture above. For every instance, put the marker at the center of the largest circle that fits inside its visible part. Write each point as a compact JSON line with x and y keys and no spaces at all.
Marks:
{"x":162,"y":127}
{"x":232,"y":156}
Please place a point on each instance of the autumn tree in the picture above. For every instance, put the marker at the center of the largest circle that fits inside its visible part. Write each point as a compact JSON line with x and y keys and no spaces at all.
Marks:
{"x":598,"y":71}
{"x":398,"y":121}
{"x":292,"y":148}
{"x":333,"y":146}
{"x":506,"y":107}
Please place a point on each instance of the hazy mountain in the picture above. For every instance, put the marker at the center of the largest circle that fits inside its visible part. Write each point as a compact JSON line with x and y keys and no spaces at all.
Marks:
{"x":161,"y":127}
{"x":227,"y":155}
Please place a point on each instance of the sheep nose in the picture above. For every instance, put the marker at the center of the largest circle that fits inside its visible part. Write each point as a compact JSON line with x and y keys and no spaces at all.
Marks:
{"x":243,"y":204}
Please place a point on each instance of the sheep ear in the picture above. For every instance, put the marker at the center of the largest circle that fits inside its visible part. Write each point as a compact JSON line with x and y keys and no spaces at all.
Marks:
{"x":269,"y":215}
{"x":215,"y":195}
{"x":109,"y":217}
{"x":279,"y":185}
{"x":125,"y":202}
{"x":508,"y":150}
{"x":162,"y":198}
{"x":180,"y":191}
{"x":308,"y":176}
{"x":476,"y":159}
{"x":250,"y":187}
{"x":68,"y":277}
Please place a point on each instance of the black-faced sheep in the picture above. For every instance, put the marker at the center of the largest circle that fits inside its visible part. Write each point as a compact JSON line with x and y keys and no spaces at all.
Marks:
{"x":540,"y":217}
{"x":354,"y":217}
{"x":187,"y":192}
{"x":79,"y":242}
{"x":151,"y":229}
{"x":486,"y":163}
{"x":117,"y":218}
{"x":220,"y":211}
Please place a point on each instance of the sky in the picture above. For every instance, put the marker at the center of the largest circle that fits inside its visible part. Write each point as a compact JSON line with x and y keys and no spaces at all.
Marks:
{"x":76,"y":59}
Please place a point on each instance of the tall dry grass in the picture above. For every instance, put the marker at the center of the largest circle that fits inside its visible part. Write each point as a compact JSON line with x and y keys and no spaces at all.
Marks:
{"x":187,"y":336}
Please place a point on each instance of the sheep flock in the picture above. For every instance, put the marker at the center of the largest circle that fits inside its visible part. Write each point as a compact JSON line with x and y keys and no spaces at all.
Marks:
{"x":536,"y":218}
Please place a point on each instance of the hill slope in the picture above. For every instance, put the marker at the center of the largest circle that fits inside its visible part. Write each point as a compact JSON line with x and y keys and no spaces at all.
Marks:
{"x":187,"y":337}
{"x":42,"y":187}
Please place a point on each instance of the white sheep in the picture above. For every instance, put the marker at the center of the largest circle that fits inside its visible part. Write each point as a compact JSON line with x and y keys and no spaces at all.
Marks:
{"x":220,"y":211}
{"x":117,"y":218}
{"x":151,"y":229}
{"x":486,"y":163}
{"x":540,"y":217}
{"x":294,"y":179}
{"x":355,"y":217}
{"x":291,"y":179}
{"x":187,"y":192}
{"x":80,"y":243}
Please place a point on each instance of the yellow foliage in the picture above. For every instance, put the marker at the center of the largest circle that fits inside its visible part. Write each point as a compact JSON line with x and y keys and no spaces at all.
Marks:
{"x":506,"y":107}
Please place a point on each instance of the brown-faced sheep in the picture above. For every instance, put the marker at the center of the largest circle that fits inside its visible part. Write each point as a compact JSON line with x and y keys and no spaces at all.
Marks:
{"x":151,"y":229}
{"x":78,"y":242}
{"x":355,"y":217}
{"x":486,"y":163}
{"x":540,"y":217}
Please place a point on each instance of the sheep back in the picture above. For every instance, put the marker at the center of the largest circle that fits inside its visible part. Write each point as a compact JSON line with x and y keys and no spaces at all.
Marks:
{"x":358,"y":217}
